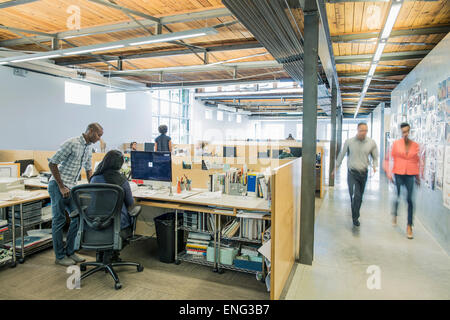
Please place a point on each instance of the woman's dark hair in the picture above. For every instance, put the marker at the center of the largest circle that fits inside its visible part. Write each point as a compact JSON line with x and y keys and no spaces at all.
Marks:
{"x":162,"y":129}
{"x":404,"y":124}
{"x":113,"y":160}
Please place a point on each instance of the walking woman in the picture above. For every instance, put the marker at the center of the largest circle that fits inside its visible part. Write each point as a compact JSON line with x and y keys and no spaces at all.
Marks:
{"x":405,"y":156}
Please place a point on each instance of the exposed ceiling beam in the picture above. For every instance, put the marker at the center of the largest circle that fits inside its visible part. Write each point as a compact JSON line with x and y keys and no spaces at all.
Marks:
{"x":379,"y":74}
{"x":13,"y":29}
{"x":388,"y":56}
{"x":124,"y":26}
{"x":112,"y":45}
{"x":167,"y":53}
{"x":13,"y":3}
{"x":394,"y":33}
{"x":198,"y":68}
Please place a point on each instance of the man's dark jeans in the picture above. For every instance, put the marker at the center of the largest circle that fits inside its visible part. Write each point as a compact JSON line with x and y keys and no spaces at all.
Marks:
{"x":356,"y":183}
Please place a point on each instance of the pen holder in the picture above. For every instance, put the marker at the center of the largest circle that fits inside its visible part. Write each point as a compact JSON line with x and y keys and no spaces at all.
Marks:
{"x":188,"y":187}
{"x":183,"y":186}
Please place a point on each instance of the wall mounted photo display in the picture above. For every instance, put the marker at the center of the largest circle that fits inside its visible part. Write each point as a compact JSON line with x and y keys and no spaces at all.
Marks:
{"x":440,"y":155}
{"x":446,"y":178}
{"x":448,"y":87}
{"x":447,"y":110}
{"x":442,"y":90}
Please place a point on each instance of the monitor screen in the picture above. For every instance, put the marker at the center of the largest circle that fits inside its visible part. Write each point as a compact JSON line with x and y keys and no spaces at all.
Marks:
{"x":155,"y":166}
{"x":149,"y":146}
{"x":229,"y":152}
{"x":276,"y":153}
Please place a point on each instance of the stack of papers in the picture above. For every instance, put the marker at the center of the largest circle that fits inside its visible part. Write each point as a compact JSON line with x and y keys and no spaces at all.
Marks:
{"x":15,"y":195}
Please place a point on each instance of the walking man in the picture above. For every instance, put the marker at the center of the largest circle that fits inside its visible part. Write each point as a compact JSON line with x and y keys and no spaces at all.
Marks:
{"x":66,"y":166}
{"x":359,"y":150}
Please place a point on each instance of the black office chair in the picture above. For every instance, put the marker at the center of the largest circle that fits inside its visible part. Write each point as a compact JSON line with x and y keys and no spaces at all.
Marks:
{"x":99,"y":208}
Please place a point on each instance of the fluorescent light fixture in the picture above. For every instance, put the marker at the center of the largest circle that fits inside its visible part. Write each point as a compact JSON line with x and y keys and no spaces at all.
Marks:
{"x":93,"y":50}
{"x":390,"y":21}
{"x":379,"y":51}
{"x":2,"y":63}
{"x":168,"y":39}
{"x":37,"y":58}
{"x":372,"y":70}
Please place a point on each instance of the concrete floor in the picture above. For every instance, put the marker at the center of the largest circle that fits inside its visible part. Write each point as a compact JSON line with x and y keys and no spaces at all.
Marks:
{"x":409,"y":269}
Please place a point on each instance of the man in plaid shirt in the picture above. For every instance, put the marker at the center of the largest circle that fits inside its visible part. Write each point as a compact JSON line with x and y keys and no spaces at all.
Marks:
{"x":66,"y":166}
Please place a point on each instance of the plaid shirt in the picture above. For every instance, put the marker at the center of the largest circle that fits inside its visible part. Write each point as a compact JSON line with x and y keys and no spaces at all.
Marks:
{"x":73,"y":154}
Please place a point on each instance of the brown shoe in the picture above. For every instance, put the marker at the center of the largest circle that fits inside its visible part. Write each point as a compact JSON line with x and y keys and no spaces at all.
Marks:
{"x":409,"y":232}
{"x":394,"y":221}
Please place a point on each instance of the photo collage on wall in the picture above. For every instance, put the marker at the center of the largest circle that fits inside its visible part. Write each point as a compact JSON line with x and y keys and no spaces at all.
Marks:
{"x":429,"y":116}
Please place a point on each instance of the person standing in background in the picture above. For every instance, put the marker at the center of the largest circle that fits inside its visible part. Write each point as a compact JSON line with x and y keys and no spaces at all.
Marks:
{"x":359,"y":150}
{"x":133,"y":146}
{"x":405,"y":159}
{"x":66,"y":166}
{"x":163,"y":142}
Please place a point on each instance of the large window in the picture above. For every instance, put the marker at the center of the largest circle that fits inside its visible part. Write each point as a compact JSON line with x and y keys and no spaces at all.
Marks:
{"x":77,"y":93}
{"x":171,"y":107}
{"x":274,"y":131}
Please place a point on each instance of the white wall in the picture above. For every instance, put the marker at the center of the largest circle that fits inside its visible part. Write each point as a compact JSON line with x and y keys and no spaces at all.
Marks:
{"x":34,"y":115}
{"x":215,"y":130}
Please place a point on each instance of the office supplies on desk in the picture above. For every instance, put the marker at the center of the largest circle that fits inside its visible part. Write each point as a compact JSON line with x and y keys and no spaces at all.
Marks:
{"x":10,"y":184}
{"x":30,"y":171}
{"x":44,"y":177}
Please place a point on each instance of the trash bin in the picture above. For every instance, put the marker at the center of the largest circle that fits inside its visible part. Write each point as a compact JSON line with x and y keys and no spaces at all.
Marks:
{"x":165,"y":237}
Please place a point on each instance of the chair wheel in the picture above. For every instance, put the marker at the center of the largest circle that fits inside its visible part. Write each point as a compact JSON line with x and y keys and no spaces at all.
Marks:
{"x":13,"y":265}
{"x":82,"y":268}
{"x":21,"y":260}
{"x":117,"y":285}
{"x":140,"y":268}
{"x":177,"y":262}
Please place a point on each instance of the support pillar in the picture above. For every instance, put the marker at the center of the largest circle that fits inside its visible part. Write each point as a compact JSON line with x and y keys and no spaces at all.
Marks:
{"x":333,"y":134}
{"x":310,"y":86}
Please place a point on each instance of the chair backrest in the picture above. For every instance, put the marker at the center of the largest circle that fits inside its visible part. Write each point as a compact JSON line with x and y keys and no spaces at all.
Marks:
{"x":99,"y":206}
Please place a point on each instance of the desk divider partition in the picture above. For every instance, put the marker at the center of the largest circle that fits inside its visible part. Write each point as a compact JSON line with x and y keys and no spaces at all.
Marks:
{"x":285,"y":208}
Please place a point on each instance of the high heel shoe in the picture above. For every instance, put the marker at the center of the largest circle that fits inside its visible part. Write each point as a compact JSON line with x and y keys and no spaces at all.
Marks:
{"x":409,"y":232}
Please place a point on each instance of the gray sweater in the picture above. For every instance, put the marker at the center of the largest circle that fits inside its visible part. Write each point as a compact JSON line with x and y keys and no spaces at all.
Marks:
{"x":358,"y":153}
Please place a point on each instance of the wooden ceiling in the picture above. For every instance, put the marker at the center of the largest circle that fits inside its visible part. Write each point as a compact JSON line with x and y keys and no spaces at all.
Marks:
{"x":354,"y":27}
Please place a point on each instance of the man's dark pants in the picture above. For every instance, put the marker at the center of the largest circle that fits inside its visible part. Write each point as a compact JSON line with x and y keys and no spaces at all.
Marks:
{"x":356,"y":183}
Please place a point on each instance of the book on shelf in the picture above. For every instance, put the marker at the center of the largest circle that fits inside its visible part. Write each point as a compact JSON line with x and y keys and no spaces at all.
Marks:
{"x":199,"y":236}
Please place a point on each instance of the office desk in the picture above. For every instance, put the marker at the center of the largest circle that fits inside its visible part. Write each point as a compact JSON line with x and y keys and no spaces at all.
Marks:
{"x":201,"y":201}
{"x":34,"y":196}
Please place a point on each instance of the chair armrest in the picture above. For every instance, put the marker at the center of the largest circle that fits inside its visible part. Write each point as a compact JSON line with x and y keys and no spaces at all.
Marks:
{"x":135,"y":212}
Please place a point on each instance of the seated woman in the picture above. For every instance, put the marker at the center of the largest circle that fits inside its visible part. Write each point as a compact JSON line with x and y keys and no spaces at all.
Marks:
{"x":108,"y":172}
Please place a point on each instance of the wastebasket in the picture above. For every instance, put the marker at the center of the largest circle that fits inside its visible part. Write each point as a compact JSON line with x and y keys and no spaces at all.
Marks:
{"x":165,"y":237}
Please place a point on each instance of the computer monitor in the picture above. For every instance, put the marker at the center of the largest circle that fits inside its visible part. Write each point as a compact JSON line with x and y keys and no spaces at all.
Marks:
{"x":276,"y":153}
{"x":151,"y":166}
{"x":24,"y":164}
{"x":149,"y":146}
{"x":296,"y":152}
{"x":229,"y":152}
{"x":264,"y":154}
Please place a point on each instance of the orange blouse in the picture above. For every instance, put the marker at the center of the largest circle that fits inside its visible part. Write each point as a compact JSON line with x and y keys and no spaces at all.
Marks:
{"x":405,"y":163}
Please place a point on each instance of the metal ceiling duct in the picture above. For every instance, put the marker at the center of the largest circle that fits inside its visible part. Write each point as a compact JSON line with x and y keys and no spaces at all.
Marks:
{"x":269,"y":22}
